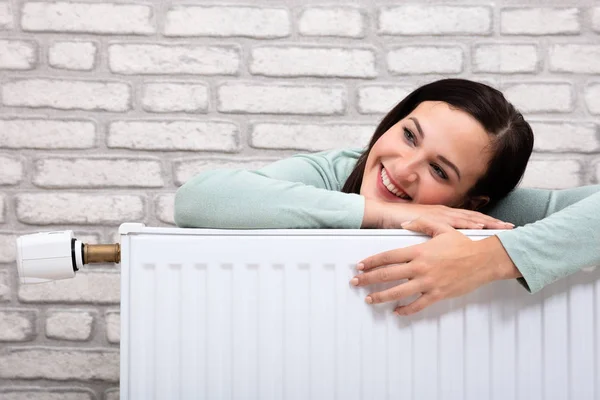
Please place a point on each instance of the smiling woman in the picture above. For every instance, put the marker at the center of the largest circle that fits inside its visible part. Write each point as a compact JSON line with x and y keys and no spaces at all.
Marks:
{"x":449,"y":148}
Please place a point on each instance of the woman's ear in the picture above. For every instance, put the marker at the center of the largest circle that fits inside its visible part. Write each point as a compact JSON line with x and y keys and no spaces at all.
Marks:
{"x":476,"y":202}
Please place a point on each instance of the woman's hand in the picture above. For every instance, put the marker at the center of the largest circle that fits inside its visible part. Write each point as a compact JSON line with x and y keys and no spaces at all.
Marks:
{"x":449,"y":265}
{"x":385,"y":215}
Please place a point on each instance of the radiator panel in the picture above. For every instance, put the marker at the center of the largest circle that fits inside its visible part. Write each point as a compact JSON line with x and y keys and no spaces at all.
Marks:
{"x":270,"y":315}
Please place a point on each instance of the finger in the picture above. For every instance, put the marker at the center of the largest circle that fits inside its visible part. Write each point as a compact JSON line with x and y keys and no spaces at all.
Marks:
{"x":384,"y":274}
{"x":489,"y":222}
{"x":419,"y":304}
{"x":398,"y":292}
{"x":427,"y":226}
{"x":395,"y":256}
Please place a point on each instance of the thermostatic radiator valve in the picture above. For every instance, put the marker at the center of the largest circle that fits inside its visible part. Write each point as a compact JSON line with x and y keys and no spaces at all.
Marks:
{"x":48,"y":256}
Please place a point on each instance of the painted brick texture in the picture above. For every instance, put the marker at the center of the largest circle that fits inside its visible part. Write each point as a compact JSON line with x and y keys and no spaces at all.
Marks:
{"x":106,"y":108}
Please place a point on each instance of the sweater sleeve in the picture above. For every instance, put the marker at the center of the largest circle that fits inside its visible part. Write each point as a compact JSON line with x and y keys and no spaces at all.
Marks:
{"x":298,"y":192}
{"x":557,"y":234}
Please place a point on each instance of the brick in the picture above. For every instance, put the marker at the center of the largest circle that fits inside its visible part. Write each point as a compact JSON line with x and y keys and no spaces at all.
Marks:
{"x":425,"y":60}
{"x":175,"y":97}
{"x":103,"y":18}
{"x":73,"y":208}
{"x":259,"y":23}
{"x":69,"y":325}
{"x":576,"y":58}
{"x":135,"y":59}
{"x":97,"y":172}
{"x":111,"y":394}
{"x":4,"y":286}
{"x":68,"y":95}
{"x":11,"y":170}
{"x":184,"y":170}
{"x":313,"y":61}
{"x":435,"y":20}
{"x":17,"y":54}
{"x":6,"y":18}
{"x":540,"y":97}
{"x":540,"y":21}
{"x":281,"y":99}
{"x":2,"y":207}
{"x":332,"y":21}
{"x":86,"y":287}
{"x":310,"y":137}
{"x":374,"y":99}
{"x":18,"y":325}
{"x":113,"y":326}
{"x":552,"y":173}
{"x":62,"y":393}
{"x":506,"y":58}
{"x":60,"y":363}
{"x":174,"y":135}
{"x":565,"y":136}
{"x":592,"y":97}
{"x":45,"y":133}
{"x":73,"y":55}
{"x":8,"y":248}
{"x":596,"y":19}
{"x":164,"y":208}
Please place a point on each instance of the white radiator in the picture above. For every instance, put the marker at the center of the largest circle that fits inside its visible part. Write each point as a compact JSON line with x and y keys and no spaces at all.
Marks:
{"x":208,"y":314}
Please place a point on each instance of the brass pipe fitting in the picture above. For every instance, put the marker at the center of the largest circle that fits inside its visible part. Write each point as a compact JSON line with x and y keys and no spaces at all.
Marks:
{"x":101,"y":253}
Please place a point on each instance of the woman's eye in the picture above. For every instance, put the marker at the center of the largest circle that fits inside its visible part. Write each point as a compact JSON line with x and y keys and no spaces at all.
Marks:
{"x":439,"y":172}
{"x":409,"y":135}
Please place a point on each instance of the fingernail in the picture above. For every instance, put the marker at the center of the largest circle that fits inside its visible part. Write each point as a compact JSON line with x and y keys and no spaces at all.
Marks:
{"x":354,"y":281}
{"x":481,"y":225}
{"x":397,"y":312}
{"x":405,"y":224}
{"x":510,"y":224}
{"x":360,"y":266}
{"x":369,"y":300}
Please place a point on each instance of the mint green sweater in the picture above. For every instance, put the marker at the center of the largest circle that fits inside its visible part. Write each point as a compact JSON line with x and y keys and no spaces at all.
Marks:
{"x":304,"y":191}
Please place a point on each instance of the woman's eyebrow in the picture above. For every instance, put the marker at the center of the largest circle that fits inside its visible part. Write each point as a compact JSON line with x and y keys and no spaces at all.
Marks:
{"x":441,"y":158}
{"x":449,"y":164}
{"x":413,"y":119}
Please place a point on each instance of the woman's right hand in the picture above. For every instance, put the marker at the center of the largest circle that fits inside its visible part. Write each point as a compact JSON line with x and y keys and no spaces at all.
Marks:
{"x":385,"y":215}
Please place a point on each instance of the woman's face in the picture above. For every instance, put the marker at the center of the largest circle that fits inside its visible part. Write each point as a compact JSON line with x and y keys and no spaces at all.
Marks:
{"x":433,"y":156}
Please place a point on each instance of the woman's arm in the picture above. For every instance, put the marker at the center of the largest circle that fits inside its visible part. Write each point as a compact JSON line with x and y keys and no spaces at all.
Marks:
{"x":564,"y":241}
{"x":297,"y":192}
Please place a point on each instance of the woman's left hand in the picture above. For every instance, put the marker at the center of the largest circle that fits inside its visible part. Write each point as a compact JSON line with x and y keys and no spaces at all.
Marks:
{"x":449,"y":265}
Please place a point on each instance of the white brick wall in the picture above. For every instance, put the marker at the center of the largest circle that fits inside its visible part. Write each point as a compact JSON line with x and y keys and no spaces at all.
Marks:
{"x":332,"y":21}
{"x":108,"y":18}
{"x":426,"y":60}
{"x":46,"y":133}
{"x":175,"y":97}
{"x":415,"y":19}
{"x":73,"y":55}
{"x":17,"y":54}
{"x":107,"y":107}
{"x":69,"y":325}
{"x":173,"y":59}
{"x":259,"y":23}
{"x":540,"y":21}
{"x":6,"y":16}
{"x":506,"y":58}
{"x":67,"y":95}
{"x":318,"y":61}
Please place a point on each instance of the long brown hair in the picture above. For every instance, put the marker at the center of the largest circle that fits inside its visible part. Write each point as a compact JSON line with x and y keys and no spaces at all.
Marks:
{"x":512,"y":137}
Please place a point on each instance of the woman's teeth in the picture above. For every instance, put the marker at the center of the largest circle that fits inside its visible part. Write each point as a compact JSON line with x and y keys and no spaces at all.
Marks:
{"x":390,"y":186}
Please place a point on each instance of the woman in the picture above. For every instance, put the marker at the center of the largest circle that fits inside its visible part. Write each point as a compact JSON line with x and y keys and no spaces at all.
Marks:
{"x":449,"y":148}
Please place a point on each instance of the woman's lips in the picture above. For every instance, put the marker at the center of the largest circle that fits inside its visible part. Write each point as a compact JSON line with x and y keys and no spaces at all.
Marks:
{"x":383,"y":190}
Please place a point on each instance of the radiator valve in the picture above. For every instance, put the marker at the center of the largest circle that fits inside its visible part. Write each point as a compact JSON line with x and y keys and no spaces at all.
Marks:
{"x":49,"y":256}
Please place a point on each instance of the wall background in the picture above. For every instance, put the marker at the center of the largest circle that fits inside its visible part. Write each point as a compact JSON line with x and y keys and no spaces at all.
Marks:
{"x":106,"y":108}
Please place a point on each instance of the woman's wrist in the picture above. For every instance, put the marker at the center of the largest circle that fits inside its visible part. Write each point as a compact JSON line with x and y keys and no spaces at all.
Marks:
{"x":372,"y":214}
{"x":498,"y":259}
